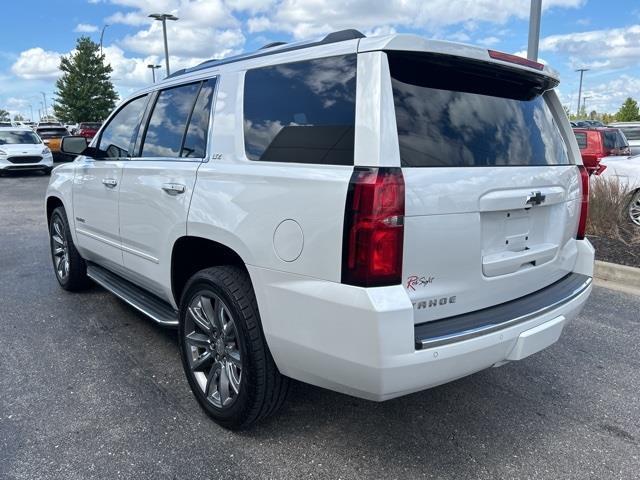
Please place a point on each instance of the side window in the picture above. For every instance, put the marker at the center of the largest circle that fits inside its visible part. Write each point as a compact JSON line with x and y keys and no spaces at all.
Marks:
{"x":582,"y":140}
{"x":195,"y":141}
{"x":168,"y":121}
{"x":118,"y":136}
{"x":302,"y":112}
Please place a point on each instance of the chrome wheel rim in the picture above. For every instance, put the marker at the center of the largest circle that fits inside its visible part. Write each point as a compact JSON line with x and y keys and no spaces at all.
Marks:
{"x":212,"y":349}
{"x":59,"y":249}
{"x":634,"y":209}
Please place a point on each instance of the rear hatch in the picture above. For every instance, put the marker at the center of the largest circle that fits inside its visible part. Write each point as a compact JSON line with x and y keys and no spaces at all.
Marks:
{"x":492,"y":199}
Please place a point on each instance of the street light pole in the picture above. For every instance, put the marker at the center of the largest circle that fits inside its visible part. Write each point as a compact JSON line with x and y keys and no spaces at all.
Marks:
{"x":31,"y":107}
{"x":581,"y":70}
{"x":46,"y":110}
{"x":153,"y":71}
{"x":163,"y":17}
{"x":534,"y":29}
{"x":102,"y":36}
{"x":584,"y":105}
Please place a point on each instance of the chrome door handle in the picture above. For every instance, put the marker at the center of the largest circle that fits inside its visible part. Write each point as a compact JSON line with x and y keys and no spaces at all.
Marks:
{"x":173,"y":188}
{"x":109,"y":182}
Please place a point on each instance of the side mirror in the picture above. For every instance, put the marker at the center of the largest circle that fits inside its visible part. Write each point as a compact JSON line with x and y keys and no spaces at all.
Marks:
{"x":73,"y":145}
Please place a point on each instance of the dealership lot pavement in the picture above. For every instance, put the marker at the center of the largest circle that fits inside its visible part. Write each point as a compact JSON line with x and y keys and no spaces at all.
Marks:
{"x":91,"y":389}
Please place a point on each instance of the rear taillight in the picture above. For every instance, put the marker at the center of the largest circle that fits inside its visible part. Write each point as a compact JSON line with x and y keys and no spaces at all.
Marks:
{"x":584,"y":203}
{"x":374,"y":228}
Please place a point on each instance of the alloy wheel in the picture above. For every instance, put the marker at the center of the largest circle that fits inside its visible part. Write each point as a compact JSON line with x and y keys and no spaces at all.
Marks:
{"x":59,"y":249}
{"x":634,"y":209}
{"x":212,"y":349}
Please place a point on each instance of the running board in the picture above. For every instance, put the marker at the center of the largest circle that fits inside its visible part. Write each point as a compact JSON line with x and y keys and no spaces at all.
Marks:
{"x":158,"y":310}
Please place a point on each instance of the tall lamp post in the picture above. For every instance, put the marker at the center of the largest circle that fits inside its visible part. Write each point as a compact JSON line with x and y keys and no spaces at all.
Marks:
{"x":581,"y":70}
{"x":46,"y":110}
{"x":584,"y":105}
{"x":104,"y":27}
{"x":153,"y":71}
{"x":163,"y":17}
{"x":534,"y":30}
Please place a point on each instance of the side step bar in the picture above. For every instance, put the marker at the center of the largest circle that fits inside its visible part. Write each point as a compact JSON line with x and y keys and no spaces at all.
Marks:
{"x":158,"y":310}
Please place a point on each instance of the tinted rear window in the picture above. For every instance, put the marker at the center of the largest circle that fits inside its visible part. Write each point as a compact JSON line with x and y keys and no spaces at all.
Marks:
{"x":582,"y":140}
{"x":301,"y":112}
{"x":52,"y":132}
{"x":454,"y":115}
{"x":613,"y":139}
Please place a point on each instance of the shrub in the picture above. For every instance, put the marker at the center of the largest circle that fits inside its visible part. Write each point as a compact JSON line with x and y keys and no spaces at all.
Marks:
{"x":608,"y":210}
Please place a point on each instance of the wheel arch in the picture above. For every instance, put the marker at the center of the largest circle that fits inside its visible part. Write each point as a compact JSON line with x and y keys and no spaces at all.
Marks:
{"x":52,"y":203}
{"x":191,"y":254}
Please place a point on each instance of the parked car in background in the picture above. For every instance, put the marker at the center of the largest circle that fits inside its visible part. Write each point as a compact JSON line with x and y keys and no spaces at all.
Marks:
{"x":625,"y":169}
{"x":22,"y":149}
{"x":88,"y":129}
{"x":597,"y":143}
{"x":52,"y":137}
{"x":631,"y":131}
{"x":6,"y":124}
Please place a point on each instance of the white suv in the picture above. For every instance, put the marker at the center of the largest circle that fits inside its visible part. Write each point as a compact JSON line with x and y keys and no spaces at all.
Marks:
{"x":375,"y":216}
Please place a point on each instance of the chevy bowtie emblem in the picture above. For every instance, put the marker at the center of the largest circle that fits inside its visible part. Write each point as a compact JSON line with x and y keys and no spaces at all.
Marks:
{"x":536,"y":198}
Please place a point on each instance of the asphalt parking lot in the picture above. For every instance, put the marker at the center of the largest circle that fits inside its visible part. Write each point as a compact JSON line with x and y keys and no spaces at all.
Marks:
{"x":91,"y":389}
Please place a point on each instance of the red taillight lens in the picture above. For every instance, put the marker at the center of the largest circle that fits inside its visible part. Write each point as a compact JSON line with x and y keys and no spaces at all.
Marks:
{"x":374,"y":228}
{"x":584,"y":203}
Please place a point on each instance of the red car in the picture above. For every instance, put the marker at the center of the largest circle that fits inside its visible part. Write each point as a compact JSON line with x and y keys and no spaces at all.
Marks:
{"x":89,"y":129}
{"x":596,"y":143}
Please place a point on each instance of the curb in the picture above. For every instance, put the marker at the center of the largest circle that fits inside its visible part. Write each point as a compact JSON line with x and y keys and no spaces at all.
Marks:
{"x":618,"y":275}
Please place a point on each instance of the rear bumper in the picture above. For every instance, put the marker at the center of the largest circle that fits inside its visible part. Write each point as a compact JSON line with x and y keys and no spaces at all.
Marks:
{"x":362,"y":342}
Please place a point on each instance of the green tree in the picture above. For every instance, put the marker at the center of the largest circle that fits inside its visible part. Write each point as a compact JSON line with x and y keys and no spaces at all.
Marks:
{"x":4,"y":115}
{"x":18,"y":118}
{"x":85,"y":92}
{"x":628,"y":111}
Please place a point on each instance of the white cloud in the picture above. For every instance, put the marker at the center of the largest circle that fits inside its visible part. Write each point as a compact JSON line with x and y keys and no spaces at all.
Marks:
{"x":488,"y":41}
{"x":316,"y":17}
{"x":612,"y":48}
{"x":250,"y":5}
{"x":608,"y":96}
{"x":37,"y":63}
{"x":85,"y":28}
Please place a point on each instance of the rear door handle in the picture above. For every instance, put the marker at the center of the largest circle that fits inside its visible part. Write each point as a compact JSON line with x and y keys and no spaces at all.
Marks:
{"x":173,"y":188}
{"x":109,"y":182}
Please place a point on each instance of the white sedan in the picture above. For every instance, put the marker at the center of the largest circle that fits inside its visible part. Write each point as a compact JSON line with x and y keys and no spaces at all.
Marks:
{"x":22,"y":149}
{"x":627,"y":170}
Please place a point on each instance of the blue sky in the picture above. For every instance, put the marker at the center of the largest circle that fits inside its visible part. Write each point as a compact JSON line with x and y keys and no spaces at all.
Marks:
{"x":604,"y":36}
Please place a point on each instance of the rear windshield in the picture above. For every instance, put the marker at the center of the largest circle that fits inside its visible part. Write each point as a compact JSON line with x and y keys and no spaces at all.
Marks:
{"x":632,"y":133}
{"x":93,"y":126}
{"x":456,"y":113}
{"x":613,"y":139}
{"x":18,"y":138}
{"x":52,"y":132}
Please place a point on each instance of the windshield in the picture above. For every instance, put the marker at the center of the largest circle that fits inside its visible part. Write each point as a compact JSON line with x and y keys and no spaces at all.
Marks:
{"x":90,"y":126}
{"x":18,"y":138}
{"x":471,"y":116}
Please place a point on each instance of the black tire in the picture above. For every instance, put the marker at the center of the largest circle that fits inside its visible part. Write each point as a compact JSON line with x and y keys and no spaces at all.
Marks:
{"x":262,"y":389}
{"x":76,"y":273}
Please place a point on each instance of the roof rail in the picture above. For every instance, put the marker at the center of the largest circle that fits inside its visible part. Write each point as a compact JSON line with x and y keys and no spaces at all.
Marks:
{"x":340,"y":36}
